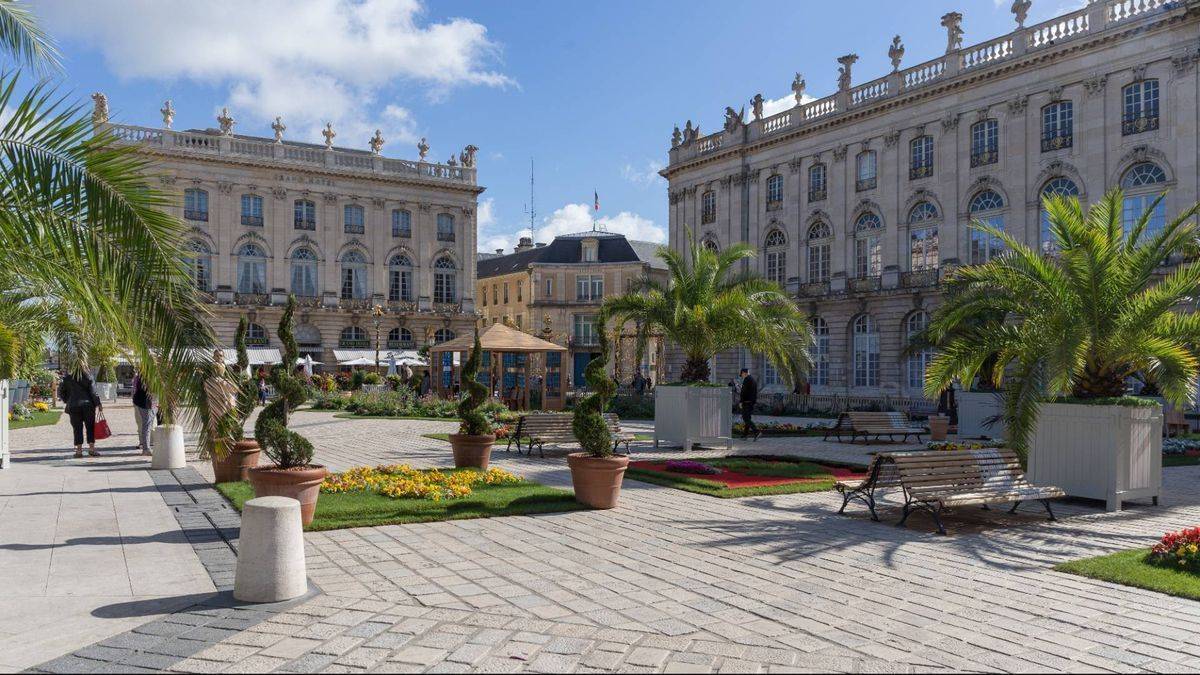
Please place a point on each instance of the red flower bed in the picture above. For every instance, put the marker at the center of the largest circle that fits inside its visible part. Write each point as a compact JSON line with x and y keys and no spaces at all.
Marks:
{"x":734,"y":479}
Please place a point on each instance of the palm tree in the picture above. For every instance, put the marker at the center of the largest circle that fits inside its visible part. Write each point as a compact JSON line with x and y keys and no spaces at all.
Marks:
{"x":706,"y":308}
{"x":1076,"y":323}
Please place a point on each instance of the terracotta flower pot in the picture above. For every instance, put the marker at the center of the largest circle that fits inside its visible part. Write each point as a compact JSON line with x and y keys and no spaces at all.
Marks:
{"x":237,"y":463}
{"x":939,"y":426}
{"x":302,"y":484}
{"x":597,"y":480}
{"x":472,"y":451}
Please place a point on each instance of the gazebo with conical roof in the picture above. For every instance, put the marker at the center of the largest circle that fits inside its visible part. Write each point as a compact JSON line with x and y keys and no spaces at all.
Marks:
{"x":507,"y":369}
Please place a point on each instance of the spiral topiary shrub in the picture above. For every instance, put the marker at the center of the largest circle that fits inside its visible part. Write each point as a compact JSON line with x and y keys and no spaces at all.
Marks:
{"x":588,"y":424}
{"x":287,"y":449}
{"x":474,"y":422}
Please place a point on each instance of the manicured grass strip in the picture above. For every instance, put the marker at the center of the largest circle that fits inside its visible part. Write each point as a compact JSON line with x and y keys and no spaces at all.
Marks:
{"x":368,"y":509}
{"x":714,"y":489}
{"x":446,"y":437}
{"x":1129,"y":568}
{"x":39,"y":419}
{"x":759,"y":467}
{"x":1180,"y":460}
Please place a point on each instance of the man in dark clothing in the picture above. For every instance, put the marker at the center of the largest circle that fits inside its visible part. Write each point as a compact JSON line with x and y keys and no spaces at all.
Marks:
{"x":748,"y":397}
{"x":81,"y":404}
{"x":143,"y":412}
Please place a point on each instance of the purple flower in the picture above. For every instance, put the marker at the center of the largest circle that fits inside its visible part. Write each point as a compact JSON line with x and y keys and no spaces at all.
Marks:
{"x":690,"y":466}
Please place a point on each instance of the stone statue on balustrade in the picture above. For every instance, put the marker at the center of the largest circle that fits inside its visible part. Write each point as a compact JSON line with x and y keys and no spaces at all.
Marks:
{"x":1020,"y":10}
{"x":376,"y":142}
{"x":278,"y":127}
{"x":844,"y":72}
{"x":226,"y":122}
{"x":689,"y":133}
{"x":733,"y":119}
{"x":99,"y":108}
{"x":756,"y":106}
{"x":329,"y":135}
{"x":896,"y":53}
{"x":422,"y":148}
{"x":168,"y":113}
{"x":954,"y":32}
{"x":675,"y":137}
{"x":467,"y":156}
{"x":798,"y":88}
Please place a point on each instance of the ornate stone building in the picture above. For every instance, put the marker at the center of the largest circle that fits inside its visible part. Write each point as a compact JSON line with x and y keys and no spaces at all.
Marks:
{"x":860,"y":201}
{"x":344,"y":230}
{"x":554,"y":291}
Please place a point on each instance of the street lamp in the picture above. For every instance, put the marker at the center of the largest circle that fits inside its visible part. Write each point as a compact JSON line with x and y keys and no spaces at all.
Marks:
{"x":377,"y":319}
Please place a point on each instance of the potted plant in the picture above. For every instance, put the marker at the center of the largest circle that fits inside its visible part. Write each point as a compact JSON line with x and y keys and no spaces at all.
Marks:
{"x":472,"y":444}
{"x":597,"y":472}
{"x":234,"y":463}
{"x":939,"y":426}
{"x":1062,"y":333}
{"x":291,"y":473}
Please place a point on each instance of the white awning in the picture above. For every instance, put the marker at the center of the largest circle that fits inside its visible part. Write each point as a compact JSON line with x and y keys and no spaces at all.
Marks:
{"x":259,"y":356}
{"x":409,"y":356}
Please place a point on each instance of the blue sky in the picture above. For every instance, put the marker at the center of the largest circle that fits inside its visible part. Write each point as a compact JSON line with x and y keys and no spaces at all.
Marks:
{"x":589,"y":90}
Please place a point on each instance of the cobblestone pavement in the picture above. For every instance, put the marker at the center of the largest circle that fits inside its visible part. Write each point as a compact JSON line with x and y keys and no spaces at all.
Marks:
{"x":676,"y":582}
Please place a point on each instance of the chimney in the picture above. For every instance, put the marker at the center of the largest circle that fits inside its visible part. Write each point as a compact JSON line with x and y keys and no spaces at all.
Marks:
{"x":524,"y":244}
{"x":499,"y":251}
{"x":540,"y":244}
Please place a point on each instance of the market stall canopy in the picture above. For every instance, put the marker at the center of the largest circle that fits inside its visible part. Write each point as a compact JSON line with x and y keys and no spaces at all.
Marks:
{"x":499,"y":338}
{"x":357,"y":362}
{"x":408,"y":356}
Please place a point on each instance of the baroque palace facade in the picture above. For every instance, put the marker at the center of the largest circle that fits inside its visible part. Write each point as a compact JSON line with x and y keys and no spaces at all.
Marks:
{"x":859,"y":202}
{"x":346,"y":231}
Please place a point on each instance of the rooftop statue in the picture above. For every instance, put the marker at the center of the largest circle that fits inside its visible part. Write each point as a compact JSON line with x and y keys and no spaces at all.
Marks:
{"x":896,"y":53}
{"x":168,"y":113}
{"x":954,"y":32}
{"x":278,"y":127}
{"x":99,"y":108}
{"x":226,"y":122}
{"x":798,"y":88}
{"x":329,"y":135}
{"x":376,"y":142}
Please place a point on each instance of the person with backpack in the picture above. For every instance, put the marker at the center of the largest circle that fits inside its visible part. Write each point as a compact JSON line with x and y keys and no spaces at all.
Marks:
{"x":81,"y":404}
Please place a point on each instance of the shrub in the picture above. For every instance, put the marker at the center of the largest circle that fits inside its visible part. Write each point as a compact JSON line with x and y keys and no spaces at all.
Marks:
{"x":395,"y":382}
{"x":1178,"y":550}
{"x":19,"y":411}
{"x":357,"y":379}
{"x":474,"y":422}
{"x":372,"y":378}
{"x":328,"y":401}
{"x":588,"y":423}
{"x":632,"y":407}
{"x":286,"y":448}
{"x":343,"y":381}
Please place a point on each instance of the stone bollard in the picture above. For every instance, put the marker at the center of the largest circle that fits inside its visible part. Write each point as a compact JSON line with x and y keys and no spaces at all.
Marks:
{"x":270,"y":562}
{"x":169,"y":450}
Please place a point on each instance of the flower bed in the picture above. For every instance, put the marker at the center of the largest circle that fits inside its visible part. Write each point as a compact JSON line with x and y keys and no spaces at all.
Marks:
{"x":1178,"y":550}
{"x":401,"y":481}
{"x":973,"y":445}
{"x":742,"y":476}
{"x":783,"y":429}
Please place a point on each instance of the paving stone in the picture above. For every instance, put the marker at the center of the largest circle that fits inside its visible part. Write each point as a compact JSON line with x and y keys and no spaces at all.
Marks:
{"x":424,"y":656}
{"x":647,"y":656}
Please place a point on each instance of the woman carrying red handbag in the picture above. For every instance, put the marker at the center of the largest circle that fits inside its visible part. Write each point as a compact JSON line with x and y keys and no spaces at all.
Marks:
{"x":82,"y":404}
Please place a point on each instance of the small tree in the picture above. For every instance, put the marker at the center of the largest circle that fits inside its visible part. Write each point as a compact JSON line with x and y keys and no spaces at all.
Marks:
{"x":247,"y":393}
{"x":287,"y":449}
{"x":588,"y":423}
{"x":474,"y":423}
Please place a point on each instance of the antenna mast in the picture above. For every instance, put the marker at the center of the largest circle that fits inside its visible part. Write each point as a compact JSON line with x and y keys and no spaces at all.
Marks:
{"x":530,"y":209}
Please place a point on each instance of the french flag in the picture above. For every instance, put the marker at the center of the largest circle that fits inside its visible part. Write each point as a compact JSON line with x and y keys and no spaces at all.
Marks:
{"x":597,"y":195}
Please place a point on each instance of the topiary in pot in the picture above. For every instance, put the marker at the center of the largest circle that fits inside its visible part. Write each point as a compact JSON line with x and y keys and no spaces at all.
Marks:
{"x":596,"y":472}
{"x":234,"y":455}
{"x":472,"y":444}
{"x":292,"y":474}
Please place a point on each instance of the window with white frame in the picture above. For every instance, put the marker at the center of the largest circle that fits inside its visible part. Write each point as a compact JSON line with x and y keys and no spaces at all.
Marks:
{"x":1142,"y":184}
{"x":400,"y":279}
{"x":770,"y":374}
{"x":305,"y":215}
{"x":252,"y":210}
{"x":985,"y":142}
{"x":865,"y":338}
{"x":708,"y":207}
{"x":986,"y":207}
{"x":918,"y":360}
{"x":1058,"y":125}
{"x":445,"y":227}
{"x":865,"y":170}
{"x":775,"y":246}
{"x":304,"y":273}
{"x":920,"y":162}
{"x":923,"y":236}
{"x":198,"y":260}
{"x":774,"y":192}
{"x":354,"y":219}
{"x":445,"y":280}
{"x":1140,"y":107}
{"x":819,"y":351}
{"x":820,"y":236}
{"x":252,"y":269}
{"x":589,"y":287}
{"x":1055,"y":187}
{"x":354,"y":276}
{"x":868,"y":252}
{"x":816,"y":183}
{"x":585,"y":329}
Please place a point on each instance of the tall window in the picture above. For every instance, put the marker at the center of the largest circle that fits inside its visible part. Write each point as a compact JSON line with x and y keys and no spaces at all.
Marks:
{"x":816,"y":183}
{"x":919,"y":360}
{"x":986,"y":207}
{"x":819,"y":237}
{"x":868,"y":260}
{"x":400,"y":275}
{"x":353,"y":336}
{"x":401,"y":223}
{"x":549,"y":287}
{"x":354,"y":219}
{"x":819,"y":351}
{"x":776,"y":256}
{"x":770,"y":374}
{"x":354,"y":276}
{"x":520,"y":290}
{"x":1140,"y":111}
{"x":920,"y":162}
{"x":198,"y":259}
{"x":252,"y":210}
{"x":256,"y":335}
{"x":304,"y":273}
{"x":923,"y":237}
{"x":585,"y":329}
{"x":305,"y":213}
{"x":589,"y":287}
{"x":195,"y":204}
{"x":399,"y":338}
{"x":774,"y":192}
{"x":1055,"y":187}
{"x":985,"y":143}
{"x":865,"y":170}
{"x":1058,"y":125}
{"x":444,"y":280}
{"x":1142,"y":184}
{"x":252,"y":269}
{"x":866,"y":352}
{"x":445,"y":227}
{"x":708,"y":207}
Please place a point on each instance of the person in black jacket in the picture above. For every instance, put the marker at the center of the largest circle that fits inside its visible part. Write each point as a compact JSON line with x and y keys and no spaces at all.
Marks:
{"x":81,"y":404}
{"x":143,"y":412}
{"x":747,"y":398}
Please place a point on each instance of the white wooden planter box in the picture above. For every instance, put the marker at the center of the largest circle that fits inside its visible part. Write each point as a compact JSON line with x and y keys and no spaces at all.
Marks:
{"x":1107,"y":452}
{"x":974,"y":409}
{"x":4,"y":449}
{"x":685,"y":416}
{"x":105,"y":391}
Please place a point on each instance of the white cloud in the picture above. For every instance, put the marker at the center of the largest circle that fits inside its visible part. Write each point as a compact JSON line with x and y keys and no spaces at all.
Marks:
{"x":645,"y":177}
{"x":777,"y":105}
{"x":311,"y":62}
{"x":578,"y":218}
{"x":485,"y":216}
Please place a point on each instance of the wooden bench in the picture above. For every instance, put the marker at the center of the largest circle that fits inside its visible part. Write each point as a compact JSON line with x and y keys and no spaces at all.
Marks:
{"x":538,"y":429}
{"x":877,"y":424}
{"x":936,"y":480}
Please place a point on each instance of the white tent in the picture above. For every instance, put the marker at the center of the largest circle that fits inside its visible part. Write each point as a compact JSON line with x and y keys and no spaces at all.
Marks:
{"x":357,"y":362}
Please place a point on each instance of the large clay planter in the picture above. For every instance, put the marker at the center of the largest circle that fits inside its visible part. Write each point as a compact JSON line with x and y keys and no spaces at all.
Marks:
{"x":237,"y":463}
{"x":939,"y":426}
{"x":472,"y":452}
{"x":303,"y":485}
{"x":597,"y":480}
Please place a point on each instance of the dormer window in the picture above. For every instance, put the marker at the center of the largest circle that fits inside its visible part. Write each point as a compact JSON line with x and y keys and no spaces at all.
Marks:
{"x":590,"y":250}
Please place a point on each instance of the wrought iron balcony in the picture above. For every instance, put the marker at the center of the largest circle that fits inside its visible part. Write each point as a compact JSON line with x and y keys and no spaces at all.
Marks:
{"x":708,"y":217}
{"x":306,"y":224}
{"x":864,"y":184}
{"x":918,"y":278}
{"x":814,"y":289}
{"x":774,"y":204}
{"x":251,"y":299}
{"x":447,"y":307}
{"x":445,"y":236}
{"x":354,"y":303}
{"x":984,"y":157}
{"x":1136,"y":125}
{"x":192,"y":214}
{"x":308,"y":301}
{"x":1059,"y":141}
{"x":399,"y":232}
{"x":252,"y":221}
{"x":817,"y":195}
{"x":354,"y":229}
{"x":920,"y":171}
{"x":864,"y":284}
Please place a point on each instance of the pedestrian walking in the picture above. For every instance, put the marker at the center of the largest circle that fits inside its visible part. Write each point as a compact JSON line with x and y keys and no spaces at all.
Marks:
{"x":143,"y":412}
{"x":748,"y":397}
{"x":81,"y":404}
{"x":262,"y":390}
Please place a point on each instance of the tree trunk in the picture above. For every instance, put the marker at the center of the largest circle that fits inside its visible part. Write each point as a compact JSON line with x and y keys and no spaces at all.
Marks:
{"x":1099,"y":381}
{"x":695,"y":370}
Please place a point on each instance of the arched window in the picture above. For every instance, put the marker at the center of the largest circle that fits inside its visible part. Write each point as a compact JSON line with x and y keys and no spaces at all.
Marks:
{"x":923,"y":236}
{"x":195,"y":204}
{"x":1140,"y":107}
{"x":256,"y":335}
{"x":985,"y":143}
{"x":819,"y":237}
{"x":776,"y":256}
{"x":922,"y":212}
{"x":445,"y":280}
{"x":816,"y":182}
{"x":252,"y":269}
{"x":443,"y":335}
{"x":819,"y":351}
{"x":198,"y":260}
{"x":354,"y":276}
{"x":865,"y":170}
{"x":866,"y":352}
{"x":868,"y":231}
{"x":918,"y":360}
{"x":445,"y":227}
{"x":401,"y":223}
{"x":1058,"y":125}
{"x":305,"y":213}
{"x":354,"y":219}
{"x":986,"y":207}
{"x":400,"y":286}
{"x":304,"y":273}
{"x":920,"y":163}
{"x":1055,"y":187}
{"x":1142,"y":184}
{"x":399,"y":338}
{"x":353,"y":336}
{"x":252,"y":210}
{"x":774,"y":192}
{"x":710,"y":243}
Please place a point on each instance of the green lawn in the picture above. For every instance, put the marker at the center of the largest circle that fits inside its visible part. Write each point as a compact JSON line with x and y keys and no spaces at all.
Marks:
{"x":750,"y":466}
{"x":367,"y":509}
{"x":39,"y":419}
{"x":1180,"y":460}
{"x":1129,"y":568}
